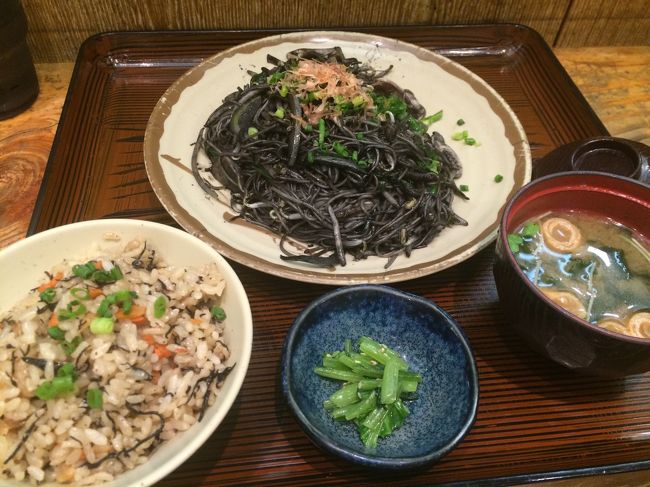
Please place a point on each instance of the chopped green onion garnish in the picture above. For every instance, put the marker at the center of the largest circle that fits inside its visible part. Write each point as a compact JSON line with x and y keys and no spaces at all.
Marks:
{"x":104,"y":308}
{"x":48,"y":295}
{"x":55,"y":388}
{"x":66,"y":370}
{"x":460,"y":122}
{"x":84,"y":270}
{"x":355,"y":156}
{"x":515,"y":241}
{"x":470,"y":141}
{"x":101,"y":276}
{"x":434,"y":166}
{"x":80,"y":293}
{"x":432,"y":118}
{"x":70,"y":347}
{"x":279,"y":112}
{"x":284,"y":91}
{"x":275,"y":77}
{"x":101,"y":325}
{"x":359,"y":136}
{"x":122,"y":295}
{"x":530,"y":229}
{"x":321,"y":131}
{"x":73,"y":310}
{"x":464,"y":188}
{"x":116,"y":273}
{"x":56,"y":333}
{"x":218,"y":313}
{"x":94,"y":398}
{"x":460,"y":135}
{"x":310,"y":157}
{"x":416,"y":125}
{"x":62,"y":384}
{"x":362,"y":163}
{"x":340,"y":149}
{"x":358,"y":100}
{"x":64,"y":314}
{"x":308,"y":129}
{"x":498,"y":178}
{"x":159,"y":307}
{"x":76,"y":307}
{"x":252,"y":131}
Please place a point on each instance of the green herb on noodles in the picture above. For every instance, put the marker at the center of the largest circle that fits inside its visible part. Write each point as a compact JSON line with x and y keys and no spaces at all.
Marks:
{"x":355,"y":143}
{"x":340,"y":149}
{"x":460,"y":135}
{"x":432,"y":118}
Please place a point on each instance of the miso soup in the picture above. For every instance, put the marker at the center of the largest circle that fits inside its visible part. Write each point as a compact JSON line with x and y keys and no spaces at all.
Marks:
{"x":594,"y":268}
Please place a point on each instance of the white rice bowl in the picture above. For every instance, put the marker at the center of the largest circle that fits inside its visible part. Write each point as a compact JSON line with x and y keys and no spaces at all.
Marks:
{"x":23,"y":265}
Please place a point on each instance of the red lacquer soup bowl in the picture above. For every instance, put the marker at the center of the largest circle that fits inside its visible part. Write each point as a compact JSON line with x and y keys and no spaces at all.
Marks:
{"x":544,"y":325}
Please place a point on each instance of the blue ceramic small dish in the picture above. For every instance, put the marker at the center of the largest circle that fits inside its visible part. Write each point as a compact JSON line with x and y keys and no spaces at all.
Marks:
{"x":425,"y":335}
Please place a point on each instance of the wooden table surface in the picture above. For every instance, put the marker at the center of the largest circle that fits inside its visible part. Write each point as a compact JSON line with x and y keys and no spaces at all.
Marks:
{"x":615,"y":81}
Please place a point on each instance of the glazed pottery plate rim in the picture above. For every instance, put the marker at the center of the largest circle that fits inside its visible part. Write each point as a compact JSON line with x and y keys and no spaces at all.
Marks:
{"x":322,"y":439}
{"x":507,"y":137}
{"x":513,"y":263}
{"x":171,"y":454}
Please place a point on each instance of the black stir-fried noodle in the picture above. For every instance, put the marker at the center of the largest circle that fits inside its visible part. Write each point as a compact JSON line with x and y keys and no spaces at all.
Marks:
{"x":338,"y":166}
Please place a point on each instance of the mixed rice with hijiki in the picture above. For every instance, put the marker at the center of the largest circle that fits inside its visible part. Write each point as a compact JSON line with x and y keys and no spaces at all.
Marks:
{"x":107,"y":358}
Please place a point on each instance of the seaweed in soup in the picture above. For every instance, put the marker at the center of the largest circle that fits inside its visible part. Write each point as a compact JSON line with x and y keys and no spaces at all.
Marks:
{"x":604,"y":271}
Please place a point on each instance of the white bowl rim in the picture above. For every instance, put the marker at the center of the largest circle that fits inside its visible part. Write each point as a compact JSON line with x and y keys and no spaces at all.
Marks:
{"x":200,"y":432}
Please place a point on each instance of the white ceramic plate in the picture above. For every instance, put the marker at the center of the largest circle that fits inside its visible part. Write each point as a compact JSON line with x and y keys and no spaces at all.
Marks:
{"x":437,"y":82}
{"x":23,"y":264}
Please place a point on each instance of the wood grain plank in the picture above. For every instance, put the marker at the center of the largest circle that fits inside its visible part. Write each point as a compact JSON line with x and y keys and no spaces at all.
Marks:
{"x":25,"y":142}
{"x":616,"y":81}
{"x":545,"y":17}
{"x":57,"y":29}
{"x":557,"y":419}
{"x":606,"y":23}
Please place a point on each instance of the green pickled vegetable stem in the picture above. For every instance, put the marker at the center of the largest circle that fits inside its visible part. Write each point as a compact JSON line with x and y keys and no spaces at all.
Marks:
{"x":390,"y":382}
{"x":381,"y":353}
